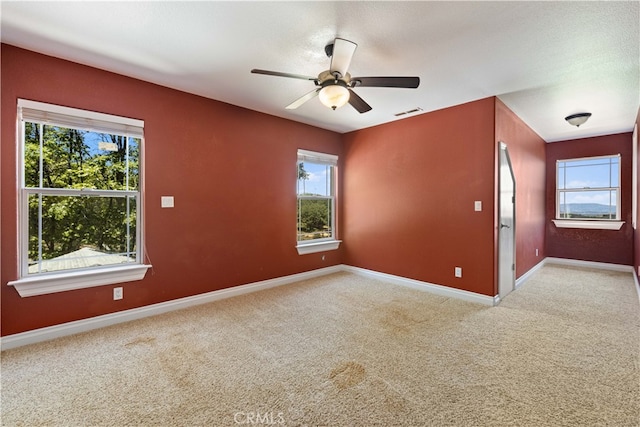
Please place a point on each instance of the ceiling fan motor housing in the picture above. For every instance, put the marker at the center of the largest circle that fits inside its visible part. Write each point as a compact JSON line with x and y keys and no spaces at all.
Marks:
{"x":327,"y":76}
{"x":328,"y":49}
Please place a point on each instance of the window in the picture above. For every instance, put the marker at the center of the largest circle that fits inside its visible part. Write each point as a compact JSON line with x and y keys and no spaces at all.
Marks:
{"x":316,"y":202}
{"x":80,"y":209}
{"x":588,"y":192}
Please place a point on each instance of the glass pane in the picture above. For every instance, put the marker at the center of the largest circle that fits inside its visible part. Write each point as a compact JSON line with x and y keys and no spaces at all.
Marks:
{"x":32,"y":154}
{"x":314,"y":219}
{"x":588,"y":204}
{"x":615,"y":173}
{"x":134,"y":164}
{"x":561,"y":176}
{"x":74,"y":158}
{"x":315,"y":179}
{"x":108,"y":166}
{"x":80,"y":232}
{"x":562,"y":205}
{"x":596,"y":175}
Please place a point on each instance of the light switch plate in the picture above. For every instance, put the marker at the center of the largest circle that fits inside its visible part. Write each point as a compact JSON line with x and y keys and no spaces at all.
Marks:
{"x":166,"y":201}
{"x":478,"y":205}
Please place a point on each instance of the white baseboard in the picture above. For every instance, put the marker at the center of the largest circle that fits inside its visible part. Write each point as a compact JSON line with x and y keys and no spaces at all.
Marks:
{"x":84,"y":325}
{"x":589,"y":264}
{"x":424,"y":286}
{"x":520,"y":280}
{"x":599,"y":265}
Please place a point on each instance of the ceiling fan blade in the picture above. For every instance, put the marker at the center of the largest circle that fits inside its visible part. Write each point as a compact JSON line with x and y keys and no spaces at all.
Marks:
{"x":279,"y":74}
{"x":304,"y":98}
{"x":343,"y":51}
{"x":406,"y":82}
{"x":358,"y":103}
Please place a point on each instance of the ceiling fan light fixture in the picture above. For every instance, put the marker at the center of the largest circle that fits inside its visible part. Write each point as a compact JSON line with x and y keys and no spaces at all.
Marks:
{"x":334,"y":94}
{"x":577,"y":119}
{"x":335,"y":86}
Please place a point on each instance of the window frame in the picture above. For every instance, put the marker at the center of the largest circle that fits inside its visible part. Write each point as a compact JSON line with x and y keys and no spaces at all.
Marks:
{"x":326,"y":243}
{"x":30,"y":284}
{"x":590,"y":223}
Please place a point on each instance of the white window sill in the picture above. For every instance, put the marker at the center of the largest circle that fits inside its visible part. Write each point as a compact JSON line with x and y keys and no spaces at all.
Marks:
{"x":311,"y":248}
{"x":70,"y":280}
{"x":593,"y":225}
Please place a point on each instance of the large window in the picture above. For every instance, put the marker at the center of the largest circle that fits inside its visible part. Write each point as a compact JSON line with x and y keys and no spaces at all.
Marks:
{"x":316,"y":201}
{"x":80,"y":191}
{"x":588,"y":189}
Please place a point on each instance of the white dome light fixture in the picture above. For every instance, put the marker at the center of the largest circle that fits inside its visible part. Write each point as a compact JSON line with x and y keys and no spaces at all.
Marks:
{"x":334,"y":93}
{"x":577,"y":119}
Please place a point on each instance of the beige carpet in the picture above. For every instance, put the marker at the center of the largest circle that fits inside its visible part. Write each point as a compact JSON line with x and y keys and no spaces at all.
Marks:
{"x":343,"y":350}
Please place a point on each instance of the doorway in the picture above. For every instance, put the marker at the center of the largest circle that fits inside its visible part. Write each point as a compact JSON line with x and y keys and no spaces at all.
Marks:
{"x":507,"y":221}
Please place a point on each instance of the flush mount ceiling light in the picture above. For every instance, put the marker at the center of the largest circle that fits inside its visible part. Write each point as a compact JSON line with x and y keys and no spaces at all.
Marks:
{"x":334,"y":93}
{"x":577,"y":119}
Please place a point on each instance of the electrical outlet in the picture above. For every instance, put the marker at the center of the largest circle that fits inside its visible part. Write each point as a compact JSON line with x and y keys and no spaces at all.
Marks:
{"x":458,"y":271}
{"x":117,"y":293}
{"x":536,"y":251}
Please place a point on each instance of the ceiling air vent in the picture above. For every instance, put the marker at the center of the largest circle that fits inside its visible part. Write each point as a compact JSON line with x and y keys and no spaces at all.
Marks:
{"x":415,"y":110}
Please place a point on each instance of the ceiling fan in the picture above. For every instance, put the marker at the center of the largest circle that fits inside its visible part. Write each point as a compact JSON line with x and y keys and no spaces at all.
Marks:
{"x":334,"y":86}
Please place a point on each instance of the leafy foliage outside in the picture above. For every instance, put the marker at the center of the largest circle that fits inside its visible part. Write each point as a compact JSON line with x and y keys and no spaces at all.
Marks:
{"x":74,"y":160}
{"x":314,"y":219}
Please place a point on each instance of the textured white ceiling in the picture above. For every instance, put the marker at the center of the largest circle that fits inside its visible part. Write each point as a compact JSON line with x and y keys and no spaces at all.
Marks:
{"x":545,"y":60}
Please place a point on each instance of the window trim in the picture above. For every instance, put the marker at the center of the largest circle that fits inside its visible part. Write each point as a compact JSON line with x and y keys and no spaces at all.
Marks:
{"x":323,"y":246}
{"x":328,"y":243}
{"x":590,"y":223}
{"x":48,"y":283}
{"x":59,"y":281}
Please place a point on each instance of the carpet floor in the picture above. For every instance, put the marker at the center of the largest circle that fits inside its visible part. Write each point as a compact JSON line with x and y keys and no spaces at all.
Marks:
{"x":344,"y":350}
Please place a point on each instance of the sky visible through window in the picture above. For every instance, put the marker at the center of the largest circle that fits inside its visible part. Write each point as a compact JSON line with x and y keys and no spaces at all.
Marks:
{"x":317,"y":182}
{"x":589,"y":174}
{"x":589,"y":188}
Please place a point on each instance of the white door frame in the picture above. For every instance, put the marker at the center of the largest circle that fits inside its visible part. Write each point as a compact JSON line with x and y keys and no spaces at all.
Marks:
{"x":506,"y":223}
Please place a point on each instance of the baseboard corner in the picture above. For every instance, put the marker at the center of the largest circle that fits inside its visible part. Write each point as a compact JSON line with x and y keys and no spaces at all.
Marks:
{"x":424,"y":286}
{"x":526,"y":276}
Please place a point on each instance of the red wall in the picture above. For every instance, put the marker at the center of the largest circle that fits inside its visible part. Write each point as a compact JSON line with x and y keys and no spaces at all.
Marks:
{"x":410,"y":188}
{"x":407,"y":191}
{"x":610,"y":246}
{"x":231,"y":171}
{"x":527,"y":153}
